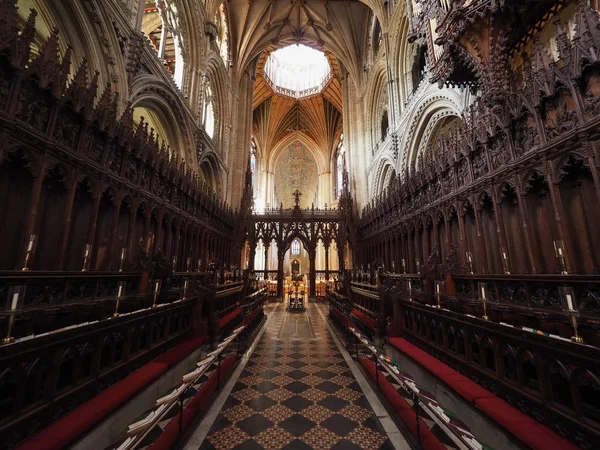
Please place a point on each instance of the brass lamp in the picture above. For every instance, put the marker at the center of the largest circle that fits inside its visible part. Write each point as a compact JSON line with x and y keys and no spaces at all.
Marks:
{"x":482,"y":293}
{"x":570,"y":305}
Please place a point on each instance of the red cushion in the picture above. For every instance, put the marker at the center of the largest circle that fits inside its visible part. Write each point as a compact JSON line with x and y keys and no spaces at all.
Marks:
{"x":196,"y":406}
{"x":67,"y":429}
{"x":176,"y":354}
{"x":370,"y":323}
{"x":403,"y":409}
{"x":528,"y":430}
{"x":225,"y":320}
{"x":525,"y":428}
{"x":71,"y":426}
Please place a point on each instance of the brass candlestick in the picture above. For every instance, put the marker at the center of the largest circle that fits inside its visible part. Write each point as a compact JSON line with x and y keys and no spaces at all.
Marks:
{"x":119,"y":296}
{"x":29,"y":251}
{"x":123,"y":255}
{"x":470,"y":262}
{"x":576,"y":338}
{"x":185,"y":288}
{"x":157,"y":285}
{"x":570,"y":306}
{"x":559,"y":251}
{"x":483,"y":296}
{"x":86,"y":257}
{"x":11,"y":320}
{"x":439,"y":288}
{"x":505,"y":264}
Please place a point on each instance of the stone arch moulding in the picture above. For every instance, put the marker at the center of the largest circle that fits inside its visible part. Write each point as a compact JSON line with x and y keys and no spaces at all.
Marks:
{"x":219,"y":81}
{"x":384,"y":171}
{"x":430,"y":104}
{"x":72,"y":19}
{"x":149,"y":92}
{"x":378,"y":100}
{"x":217,"y":169}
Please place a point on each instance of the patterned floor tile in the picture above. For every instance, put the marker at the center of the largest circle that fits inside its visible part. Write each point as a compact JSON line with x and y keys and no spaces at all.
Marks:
{"x":366,"y":438}
{"x":237,"y":413}
{"x":227,"y":438}
{"x":274,"y":438}
{"x":278,"y":413}
{"x":317,"y":413}
{"x":320,"y":438}
{"x":296,"y":394}
{"x":314,"y":395}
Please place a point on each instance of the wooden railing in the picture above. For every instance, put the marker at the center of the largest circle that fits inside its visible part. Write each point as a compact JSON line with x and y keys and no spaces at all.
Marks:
{"x":547,"y":377}
{"x":45,"y":377}
{"x":68,"y":343}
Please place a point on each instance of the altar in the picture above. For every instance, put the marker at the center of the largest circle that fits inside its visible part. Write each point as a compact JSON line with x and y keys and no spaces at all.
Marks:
{"x":296,"y":293}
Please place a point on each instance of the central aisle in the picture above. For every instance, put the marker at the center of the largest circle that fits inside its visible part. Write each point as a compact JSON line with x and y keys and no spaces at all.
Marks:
{"x":296,"y":392}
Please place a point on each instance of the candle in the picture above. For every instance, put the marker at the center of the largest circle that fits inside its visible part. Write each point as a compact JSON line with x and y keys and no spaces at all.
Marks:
{"x":482,"y":292}
{"x":120,"y":293}
{"x":15,"y":301}
{"x":437,"y":288}
{"x":123,"y":252}
{"x":31,"y":242}
{"x":469,"y":257}
{"x":560,"y":253}
{"x":409,"y":285}
{"x":504,"y":255}
{"x":569,"y":302}
{"x":156,"y":286}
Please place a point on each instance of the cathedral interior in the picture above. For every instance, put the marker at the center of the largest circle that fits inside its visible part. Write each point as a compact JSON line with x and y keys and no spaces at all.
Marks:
{"x":299,"y":224}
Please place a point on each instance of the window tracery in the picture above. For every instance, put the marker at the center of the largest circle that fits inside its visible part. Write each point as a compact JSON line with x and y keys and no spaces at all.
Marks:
{"x":295,"y":247}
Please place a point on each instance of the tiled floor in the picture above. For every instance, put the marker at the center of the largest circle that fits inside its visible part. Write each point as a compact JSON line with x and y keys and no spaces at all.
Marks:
{"x":296,"y":392}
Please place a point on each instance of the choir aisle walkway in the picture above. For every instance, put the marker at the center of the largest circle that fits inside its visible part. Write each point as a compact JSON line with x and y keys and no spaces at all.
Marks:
{"x":296,"y":391}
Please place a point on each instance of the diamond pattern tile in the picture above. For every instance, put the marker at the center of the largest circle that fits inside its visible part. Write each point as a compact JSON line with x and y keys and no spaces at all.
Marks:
{"x":296,"y":394}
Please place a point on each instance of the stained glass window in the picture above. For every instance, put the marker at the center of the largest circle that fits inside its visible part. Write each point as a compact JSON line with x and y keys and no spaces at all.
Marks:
{"x":295,"y":247}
